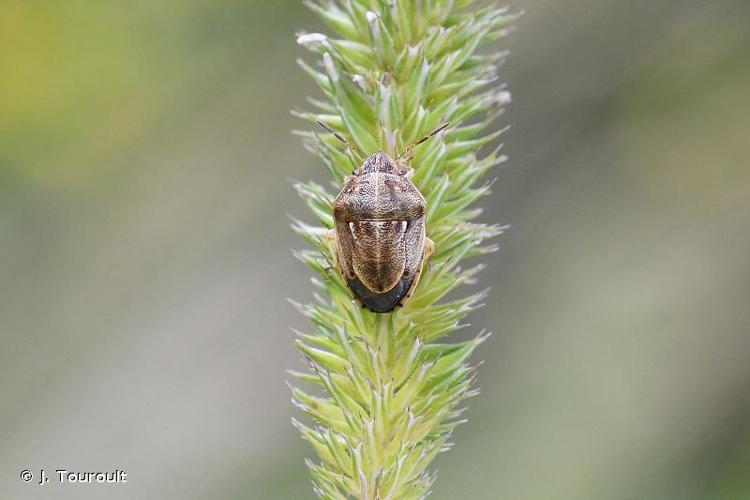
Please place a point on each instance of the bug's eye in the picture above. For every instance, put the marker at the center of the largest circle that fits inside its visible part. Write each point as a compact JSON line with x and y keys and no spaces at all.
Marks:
{"x":402,"y":172}
{"x":354,"y":172}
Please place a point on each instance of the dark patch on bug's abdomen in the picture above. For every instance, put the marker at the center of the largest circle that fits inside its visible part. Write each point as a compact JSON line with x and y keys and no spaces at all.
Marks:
{"x":381,"y":302}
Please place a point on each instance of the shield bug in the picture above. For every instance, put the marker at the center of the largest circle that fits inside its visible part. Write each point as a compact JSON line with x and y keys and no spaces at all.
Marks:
{"x":379,"y":230}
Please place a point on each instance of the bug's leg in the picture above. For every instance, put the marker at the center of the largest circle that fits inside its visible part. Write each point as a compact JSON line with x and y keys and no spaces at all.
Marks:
{"x":429,"y":249}
{"x":330,"y":242}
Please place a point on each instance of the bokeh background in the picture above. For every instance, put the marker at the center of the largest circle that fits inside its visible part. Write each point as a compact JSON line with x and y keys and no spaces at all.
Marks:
{"x":145,"y":253}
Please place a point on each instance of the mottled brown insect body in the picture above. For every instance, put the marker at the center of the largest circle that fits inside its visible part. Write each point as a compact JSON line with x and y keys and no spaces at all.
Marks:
{"x":379,"y":230}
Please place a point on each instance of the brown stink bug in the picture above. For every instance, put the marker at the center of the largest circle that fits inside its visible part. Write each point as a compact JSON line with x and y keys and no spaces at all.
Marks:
{"x":379,"y":234}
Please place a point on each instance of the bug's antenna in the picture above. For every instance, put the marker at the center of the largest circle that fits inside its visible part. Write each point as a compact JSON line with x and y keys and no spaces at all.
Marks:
{"x":341,"y":138}
{"x":424,"y":139}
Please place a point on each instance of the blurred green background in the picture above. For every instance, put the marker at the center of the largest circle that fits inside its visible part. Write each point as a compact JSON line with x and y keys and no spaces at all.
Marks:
{"x":145,"y":254}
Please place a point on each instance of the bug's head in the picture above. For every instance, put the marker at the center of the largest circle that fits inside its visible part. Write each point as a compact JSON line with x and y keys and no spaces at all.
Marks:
{"x":378,"y":162}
